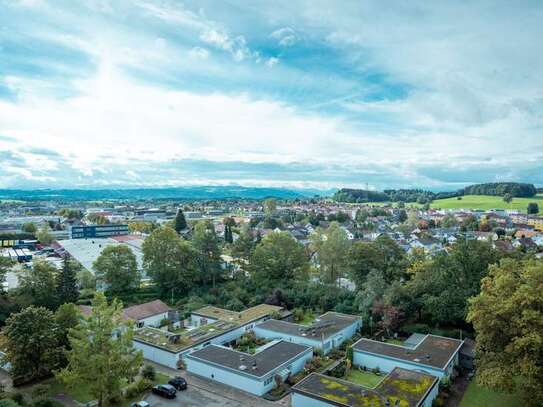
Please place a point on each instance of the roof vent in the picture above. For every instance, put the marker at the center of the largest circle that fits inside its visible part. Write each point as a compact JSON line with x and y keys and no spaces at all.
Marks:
{"x":427,"y":356}
{"x":416,"y":360}
{"x":242,"y":367}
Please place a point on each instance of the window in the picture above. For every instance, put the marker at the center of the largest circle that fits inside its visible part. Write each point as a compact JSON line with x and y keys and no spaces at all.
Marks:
{"x":268,"y":381}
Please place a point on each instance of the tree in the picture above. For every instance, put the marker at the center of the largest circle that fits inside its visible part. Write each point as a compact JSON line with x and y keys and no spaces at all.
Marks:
{"x":66,"y":284}
{"x":244,"y":244}
{"x":449,"y":221}
{"x":102,"y":356}
{"x":508,"y":198}
{"x":277,"y":261}
{"x":533,"y":208}
{"x":97,"y":219}
{"x":67,"y":316}
{"x":402,"y":216}
{"x":32,"y":343}
{"x":180,"y":222}
{"x":440,"y":288}
{"x":331,"y":246}
{"x":228,"y":236}
{"x":118,"y":268}
{"x":29,"y":227}
{"x":370,"y":291}
{"x":5,"y":264}
{"x":169,"y":261}
{"x":270,"y":206}
{"x":37,"y":286}
{"x":508,"y":319}
{"x":208,"y":257}
{"x":44,"y":235}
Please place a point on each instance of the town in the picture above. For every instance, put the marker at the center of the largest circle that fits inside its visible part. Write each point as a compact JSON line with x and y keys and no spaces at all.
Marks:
{"x":308,"y":301}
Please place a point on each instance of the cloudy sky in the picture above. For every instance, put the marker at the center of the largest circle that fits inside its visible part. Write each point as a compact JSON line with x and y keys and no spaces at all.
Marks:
{"x":98,"y":93}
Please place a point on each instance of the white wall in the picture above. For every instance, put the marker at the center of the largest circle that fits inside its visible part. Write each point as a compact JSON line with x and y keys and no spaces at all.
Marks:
{"x":241,"y":381}
{"x":154,"y":320}
{"x":157,"y":355}
{"x":387,"y":365}
{"x":431,"y":396}
{"x":299,"y":400}
{"x":333,"y":342}
{"x":196,"y":320}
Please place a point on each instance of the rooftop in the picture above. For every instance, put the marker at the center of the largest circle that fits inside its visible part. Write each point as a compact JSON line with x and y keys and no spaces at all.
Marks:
{"x":241,"y":317}
{"x":146,"y":310}
{"x":324,"y":326}
{"x":434,"y":351}
{"x":259,"y":364}
{"x":183,"y":339}
{"x":407,"y":387}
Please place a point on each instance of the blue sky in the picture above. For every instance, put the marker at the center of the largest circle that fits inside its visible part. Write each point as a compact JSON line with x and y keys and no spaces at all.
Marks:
{"x":318,"y":94}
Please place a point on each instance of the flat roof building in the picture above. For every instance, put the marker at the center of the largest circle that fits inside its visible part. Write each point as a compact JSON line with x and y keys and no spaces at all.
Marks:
{"x":436,"y":355}
{"x":400,"y":388}
{"x":252,"y":373}
{"x":98,"y":231}
{"x":327,"y":332}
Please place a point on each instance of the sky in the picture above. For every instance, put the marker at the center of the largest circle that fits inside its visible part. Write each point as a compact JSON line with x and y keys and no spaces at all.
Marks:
{"x":284,"y":93}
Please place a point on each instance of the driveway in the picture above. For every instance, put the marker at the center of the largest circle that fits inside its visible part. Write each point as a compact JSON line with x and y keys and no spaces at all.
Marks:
{"x":193,"y":397}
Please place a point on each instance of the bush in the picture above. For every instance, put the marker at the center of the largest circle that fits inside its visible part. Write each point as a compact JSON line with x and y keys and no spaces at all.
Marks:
{"x":8,"y":403}
{"x":40,"y":391}
{"x":148,"y":372}
{"x":137,"y":388}
{"x":376,"y":370}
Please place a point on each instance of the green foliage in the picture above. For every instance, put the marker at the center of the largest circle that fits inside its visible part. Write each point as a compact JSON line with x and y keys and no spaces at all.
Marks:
{"x":117,"y":267}
{"x":66,"y":282}
{"x":331,"y":246}
{"x":169,"y":261}
{"x":244,"y":244}
{"x":533,"y":208}
{"x":514,"y":189}
{"x":148,"y":372}
{"x":440,"y":289}
{"x":138,"y":387}
{"x":37,"y":286}
{"x":8,"y":403}
{"x":32,"y":344}
{"x":180,"y":223}
{"x":44,"y":236}
{"x":278,"y":261}
{"x":102,"y":356}
{"x":205,"y":242}
{"x":508,"y":319}
{"x":29,"y":227}
{"x":40,"y":391}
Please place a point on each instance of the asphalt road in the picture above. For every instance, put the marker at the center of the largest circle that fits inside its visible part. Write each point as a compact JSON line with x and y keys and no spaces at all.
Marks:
{"x":193,"y":397}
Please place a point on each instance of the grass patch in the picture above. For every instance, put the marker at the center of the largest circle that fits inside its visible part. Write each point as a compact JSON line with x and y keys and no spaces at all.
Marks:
{"x":484,"y":202}
{"x":308,"y":319}
{"x":477,"y":396}
{"x":81,"y":393}
{"x":366,"y":379}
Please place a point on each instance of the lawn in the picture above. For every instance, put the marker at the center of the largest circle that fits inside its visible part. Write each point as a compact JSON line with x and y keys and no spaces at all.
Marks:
{"x":485,"y":202}
{"x":476,"y":396}
{"x":366,"y":379}
{"x":394,"y":341}
{"x":308,"y":319}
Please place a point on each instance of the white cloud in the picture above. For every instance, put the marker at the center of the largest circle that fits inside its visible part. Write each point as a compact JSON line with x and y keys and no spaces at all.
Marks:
{"x":285,"y":36}
{"x":272,"y":62}
{"x":199,"y":52}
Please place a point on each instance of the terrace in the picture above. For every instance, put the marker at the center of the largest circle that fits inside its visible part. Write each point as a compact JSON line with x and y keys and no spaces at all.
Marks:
{"x":402,"y":388}
{"x":182,"y":338}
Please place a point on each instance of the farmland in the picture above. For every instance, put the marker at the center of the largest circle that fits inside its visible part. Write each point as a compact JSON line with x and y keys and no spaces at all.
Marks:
{"x":485,"y":202}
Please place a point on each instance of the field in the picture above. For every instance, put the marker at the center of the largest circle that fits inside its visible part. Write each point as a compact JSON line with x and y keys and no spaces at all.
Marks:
{"x":485,"y":202}
{"x":477,"y":396}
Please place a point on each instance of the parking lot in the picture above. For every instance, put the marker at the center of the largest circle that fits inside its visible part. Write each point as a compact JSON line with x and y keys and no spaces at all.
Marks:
{"x":194,"y":397}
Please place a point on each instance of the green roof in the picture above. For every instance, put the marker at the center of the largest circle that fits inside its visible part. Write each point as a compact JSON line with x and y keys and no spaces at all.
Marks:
{"x":241,"y":317}
{"x":179,"y":340}
{"x":407,"y":387}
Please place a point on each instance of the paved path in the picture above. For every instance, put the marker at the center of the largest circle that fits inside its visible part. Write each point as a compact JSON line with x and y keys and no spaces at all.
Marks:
{"x":237,"y":396}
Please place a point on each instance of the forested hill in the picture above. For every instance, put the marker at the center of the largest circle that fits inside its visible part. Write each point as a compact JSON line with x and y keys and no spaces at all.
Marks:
{"x":196,"y":192}
{"x":516,"y":189}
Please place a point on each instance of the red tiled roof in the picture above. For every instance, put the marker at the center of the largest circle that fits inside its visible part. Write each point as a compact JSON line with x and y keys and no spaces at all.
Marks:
{"x":137,"y":312}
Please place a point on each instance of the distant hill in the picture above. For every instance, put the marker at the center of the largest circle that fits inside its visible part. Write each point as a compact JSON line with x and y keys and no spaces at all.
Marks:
{"x":518,"y":190}
{"x":390,"y":195}
{"x":189,"y":193}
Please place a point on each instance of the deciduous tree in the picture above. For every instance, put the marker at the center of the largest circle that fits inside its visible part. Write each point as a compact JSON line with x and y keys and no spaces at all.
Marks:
{"x":508,"y":319}
{"x":37,"y":286}
{"x":118,"y":268}
{"x":331,"y":246}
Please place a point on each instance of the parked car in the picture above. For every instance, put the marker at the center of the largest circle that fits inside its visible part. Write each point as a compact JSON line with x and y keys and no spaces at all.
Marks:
{"x":164,"y":390}
{"x":179,"y":383}
{"x":141,"y":403}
